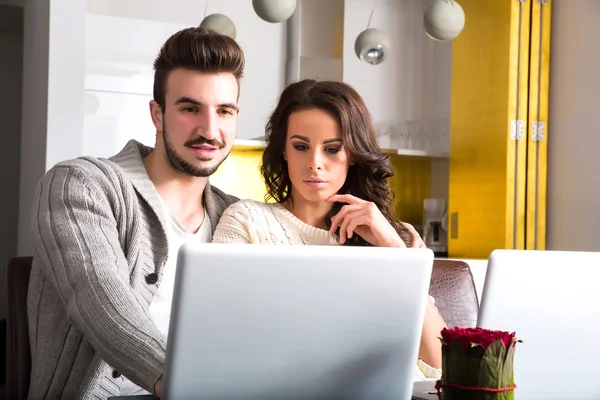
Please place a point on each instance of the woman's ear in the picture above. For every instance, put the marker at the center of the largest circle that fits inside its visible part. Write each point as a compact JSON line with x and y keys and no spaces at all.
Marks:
{"x":284,"y":155}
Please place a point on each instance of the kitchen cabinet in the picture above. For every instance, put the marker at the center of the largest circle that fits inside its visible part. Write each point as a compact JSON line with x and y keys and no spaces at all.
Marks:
{"x":499,"y":127}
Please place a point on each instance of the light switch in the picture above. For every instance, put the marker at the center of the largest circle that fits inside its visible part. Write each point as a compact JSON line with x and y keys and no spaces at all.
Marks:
{"x":454,"y":225}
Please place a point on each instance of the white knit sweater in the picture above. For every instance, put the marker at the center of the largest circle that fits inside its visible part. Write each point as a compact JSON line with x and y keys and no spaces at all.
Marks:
{"x":253,"y":222}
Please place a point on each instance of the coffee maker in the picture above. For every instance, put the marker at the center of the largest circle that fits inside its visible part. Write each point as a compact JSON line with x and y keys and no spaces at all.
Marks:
{"x":435,"y":226}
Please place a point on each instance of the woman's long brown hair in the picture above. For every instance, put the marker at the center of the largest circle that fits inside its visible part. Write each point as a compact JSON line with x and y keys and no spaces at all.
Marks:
{"x":370,"y":169}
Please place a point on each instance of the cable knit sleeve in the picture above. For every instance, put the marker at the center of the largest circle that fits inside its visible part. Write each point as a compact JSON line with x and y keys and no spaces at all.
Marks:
{"x":233,"y":225}
{"x":426,"y":372}
{"x":77,"y":248}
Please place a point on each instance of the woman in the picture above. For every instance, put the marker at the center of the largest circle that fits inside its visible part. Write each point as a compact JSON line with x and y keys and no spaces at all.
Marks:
{"x":326,"y":173}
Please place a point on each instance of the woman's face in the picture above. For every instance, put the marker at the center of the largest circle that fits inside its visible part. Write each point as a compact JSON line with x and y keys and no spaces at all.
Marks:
{"x":316,"y":158}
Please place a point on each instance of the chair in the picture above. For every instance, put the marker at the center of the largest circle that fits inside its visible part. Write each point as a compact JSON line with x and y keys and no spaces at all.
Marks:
{"x":19,"y":352}
{"x":453,"y":289}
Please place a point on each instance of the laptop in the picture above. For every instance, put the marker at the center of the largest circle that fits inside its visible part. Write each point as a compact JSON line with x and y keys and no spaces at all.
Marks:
{"x":296,"y":322}
{"x":551,"y":300}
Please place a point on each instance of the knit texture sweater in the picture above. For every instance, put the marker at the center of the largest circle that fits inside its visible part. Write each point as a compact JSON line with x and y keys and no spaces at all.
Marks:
{"x":100,"y":247}
{"x":253,"y":222}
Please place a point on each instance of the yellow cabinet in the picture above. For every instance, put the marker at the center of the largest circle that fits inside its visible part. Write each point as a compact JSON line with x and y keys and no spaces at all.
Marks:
{"x":499,"y":127}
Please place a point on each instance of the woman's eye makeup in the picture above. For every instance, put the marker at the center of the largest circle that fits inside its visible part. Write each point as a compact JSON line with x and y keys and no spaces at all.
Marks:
{"x":330,"y":150}
{"x":300,"y":146}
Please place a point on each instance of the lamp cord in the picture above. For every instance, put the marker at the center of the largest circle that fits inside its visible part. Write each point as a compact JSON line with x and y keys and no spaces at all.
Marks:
{"x":205,"y":8}
{"x":371,"y":16}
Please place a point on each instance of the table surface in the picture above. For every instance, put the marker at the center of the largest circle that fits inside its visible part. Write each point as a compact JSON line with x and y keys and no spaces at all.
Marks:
{"x":421,"y":391}
{"x":424,"y":391}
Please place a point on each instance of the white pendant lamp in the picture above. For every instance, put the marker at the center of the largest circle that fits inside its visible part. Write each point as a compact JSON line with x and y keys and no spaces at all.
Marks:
{"x":372,"y":46}
{"x":274,"y":10}
{"x":219,"y":23}
{"x":444,"y":20}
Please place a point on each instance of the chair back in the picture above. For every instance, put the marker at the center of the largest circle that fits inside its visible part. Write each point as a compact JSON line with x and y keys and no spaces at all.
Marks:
{"x":453,"y":288}
{"x":19,"y":351}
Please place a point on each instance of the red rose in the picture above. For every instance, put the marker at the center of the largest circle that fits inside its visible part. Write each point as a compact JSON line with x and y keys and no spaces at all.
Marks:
{"x":477,"y":336}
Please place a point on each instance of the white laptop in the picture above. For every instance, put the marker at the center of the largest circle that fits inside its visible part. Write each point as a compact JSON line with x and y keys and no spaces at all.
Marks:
{"x":551,"y":300}
{"x":296,"y":322}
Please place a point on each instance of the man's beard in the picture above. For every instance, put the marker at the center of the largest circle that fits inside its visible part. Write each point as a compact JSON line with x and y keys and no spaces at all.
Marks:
{"x":181,"y":165}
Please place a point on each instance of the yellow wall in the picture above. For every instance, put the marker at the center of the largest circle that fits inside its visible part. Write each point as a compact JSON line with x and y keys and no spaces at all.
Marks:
{"x":411,"y":185}
{"x":239,"y":175}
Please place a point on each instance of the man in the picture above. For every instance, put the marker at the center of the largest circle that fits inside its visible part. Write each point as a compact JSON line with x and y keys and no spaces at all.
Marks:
{"x":106,"y":231}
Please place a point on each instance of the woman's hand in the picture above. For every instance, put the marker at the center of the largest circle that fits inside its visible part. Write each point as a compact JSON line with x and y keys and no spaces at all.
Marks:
{"x":417,"y":241}
{"x":364,"y":218}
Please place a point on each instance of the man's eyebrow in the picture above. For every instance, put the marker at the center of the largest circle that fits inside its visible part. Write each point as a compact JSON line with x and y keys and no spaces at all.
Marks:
{"x":186,"y":99}
{"x":195,"y":102}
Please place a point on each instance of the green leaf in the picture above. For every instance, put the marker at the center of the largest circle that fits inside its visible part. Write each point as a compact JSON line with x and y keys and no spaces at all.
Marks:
{"x":508,"y":375}
{"x":458,"y":360}
{"x":492,"y":364}
{"x":491,"y":369}
{"x":457,"y":372}
{"x":445,"y":362}
{"x":446,"y":395}
{"x":474,"y":354}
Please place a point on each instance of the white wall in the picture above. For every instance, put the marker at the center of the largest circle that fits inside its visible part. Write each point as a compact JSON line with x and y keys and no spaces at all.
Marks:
{"x":321,"y":32}
{"x":52,"y":122}
{"x":11,"y":65}
{"x":573,"y":130}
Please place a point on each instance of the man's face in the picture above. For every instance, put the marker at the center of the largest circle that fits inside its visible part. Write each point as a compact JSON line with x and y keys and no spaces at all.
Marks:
{"x":199,"y":122}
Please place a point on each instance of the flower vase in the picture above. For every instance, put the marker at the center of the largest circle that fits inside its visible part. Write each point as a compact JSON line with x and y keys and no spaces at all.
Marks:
{"x":477,"y":364}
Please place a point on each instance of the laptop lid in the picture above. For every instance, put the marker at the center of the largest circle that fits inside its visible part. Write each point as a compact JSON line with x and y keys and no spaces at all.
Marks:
{"x":551,"y":300}
{"x":296,"y":322}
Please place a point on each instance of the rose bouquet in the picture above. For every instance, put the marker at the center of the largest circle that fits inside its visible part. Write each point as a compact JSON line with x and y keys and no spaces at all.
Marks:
{"x":477,"y":364}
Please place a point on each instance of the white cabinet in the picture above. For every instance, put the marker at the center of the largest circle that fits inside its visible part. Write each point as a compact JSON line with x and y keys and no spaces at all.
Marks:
{"x":124,"y":38}
{"x":408,"y":95}
{"x":112,"y":119}
{"x":120,"y":52}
